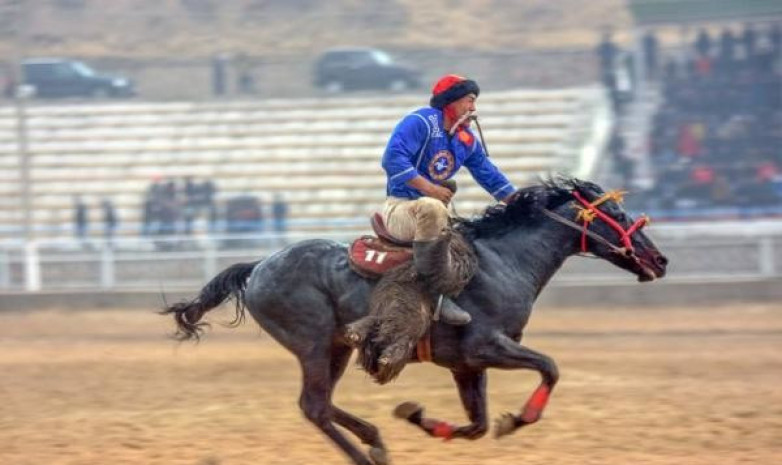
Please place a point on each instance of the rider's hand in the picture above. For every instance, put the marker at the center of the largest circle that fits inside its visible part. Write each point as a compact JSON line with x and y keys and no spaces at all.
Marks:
{"x":432,"y":190}
{"x":440,"y":193}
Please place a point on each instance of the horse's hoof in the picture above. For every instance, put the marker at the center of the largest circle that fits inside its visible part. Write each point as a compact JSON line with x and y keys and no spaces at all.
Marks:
{"x":378,"y":456}
{"x":405,"y":410}
{"x":504,"y":425}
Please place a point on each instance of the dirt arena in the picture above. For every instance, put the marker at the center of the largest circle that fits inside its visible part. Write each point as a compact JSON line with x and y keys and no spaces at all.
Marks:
{"x":651,"y":386}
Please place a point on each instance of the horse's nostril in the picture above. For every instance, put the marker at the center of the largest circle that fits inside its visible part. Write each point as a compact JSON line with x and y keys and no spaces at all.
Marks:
{"x":662,"y":260}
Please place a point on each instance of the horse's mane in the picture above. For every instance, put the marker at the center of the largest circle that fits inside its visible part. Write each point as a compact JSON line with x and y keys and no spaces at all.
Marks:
{"x":523,"y":208}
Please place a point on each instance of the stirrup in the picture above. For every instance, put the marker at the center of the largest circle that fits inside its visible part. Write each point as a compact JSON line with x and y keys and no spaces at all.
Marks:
{"x":448,"y":312}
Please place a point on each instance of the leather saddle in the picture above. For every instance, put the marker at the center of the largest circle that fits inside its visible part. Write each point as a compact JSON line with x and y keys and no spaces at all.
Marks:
{"x":372,"y":256}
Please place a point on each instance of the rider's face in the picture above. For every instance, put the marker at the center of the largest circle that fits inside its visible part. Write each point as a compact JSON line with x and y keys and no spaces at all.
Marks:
{"x":458,"y":108}
{"x":464,"y":105}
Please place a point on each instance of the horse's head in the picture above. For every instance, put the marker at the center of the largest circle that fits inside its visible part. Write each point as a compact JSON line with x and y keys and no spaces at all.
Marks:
{"x":602,"y":225}
{"x":610,"y":233}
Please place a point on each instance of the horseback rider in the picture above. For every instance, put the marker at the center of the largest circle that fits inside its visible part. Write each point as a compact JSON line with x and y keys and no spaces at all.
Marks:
{"x":426,"y":149}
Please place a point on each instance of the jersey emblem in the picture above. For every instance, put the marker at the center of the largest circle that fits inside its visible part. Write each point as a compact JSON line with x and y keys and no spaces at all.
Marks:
{"x":442,"y":165}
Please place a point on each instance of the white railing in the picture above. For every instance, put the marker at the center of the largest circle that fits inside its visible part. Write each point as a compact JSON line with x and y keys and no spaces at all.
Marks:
{"x":134,"y":263}
{"x":180,"y":262}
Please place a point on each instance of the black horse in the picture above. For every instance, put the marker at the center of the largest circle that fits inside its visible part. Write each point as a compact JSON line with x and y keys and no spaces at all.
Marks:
{"x":305,"y":294}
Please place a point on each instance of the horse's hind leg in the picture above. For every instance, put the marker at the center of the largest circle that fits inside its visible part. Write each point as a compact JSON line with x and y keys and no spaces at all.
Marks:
{"x":315,"y":402}
{"x":365,"y":431}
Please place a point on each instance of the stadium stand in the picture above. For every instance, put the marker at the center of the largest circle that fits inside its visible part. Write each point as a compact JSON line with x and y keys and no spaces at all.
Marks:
{"x":322,"y":154}
{"x":715,"y":138}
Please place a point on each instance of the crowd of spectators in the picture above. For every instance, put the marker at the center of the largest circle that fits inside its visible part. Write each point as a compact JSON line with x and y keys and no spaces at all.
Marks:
{"x":171,"y":208}
{"x":717,"y":139}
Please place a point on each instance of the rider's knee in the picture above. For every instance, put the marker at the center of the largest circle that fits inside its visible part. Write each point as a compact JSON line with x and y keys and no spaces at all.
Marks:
{"x":431,"y":206}
{"x":431,"y":218}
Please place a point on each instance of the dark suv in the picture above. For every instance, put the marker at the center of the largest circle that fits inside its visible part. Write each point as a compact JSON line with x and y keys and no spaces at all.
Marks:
{"x":69,"y":78}
{"x":345,"y":69}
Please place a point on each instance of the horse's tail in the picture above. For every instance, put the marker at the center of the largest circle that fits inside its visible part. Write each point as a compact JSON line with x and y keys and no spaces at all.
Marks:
{"x":229,"y":284}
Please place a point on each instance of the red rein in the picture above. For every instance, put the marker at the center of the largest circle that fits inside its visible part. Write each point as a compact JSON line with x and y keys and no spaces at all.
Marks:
{"x":624,"y":234}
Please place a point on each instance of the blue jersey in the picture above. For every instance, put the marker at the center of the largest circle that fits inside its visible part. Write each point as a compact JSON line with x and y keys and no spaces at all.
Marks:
{"x":421,"y":146}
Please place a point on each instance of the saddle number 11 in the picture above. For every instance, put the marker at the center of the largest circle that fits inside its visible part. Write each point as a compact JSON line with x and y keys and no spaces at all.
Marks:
{"x":375,"y":256}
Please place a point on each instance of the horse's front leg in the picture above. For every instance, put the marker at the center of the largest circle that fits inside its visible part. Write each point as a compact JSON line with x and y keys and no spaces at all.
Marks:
{"x":472,"y":391}
{"x":505,"y":353}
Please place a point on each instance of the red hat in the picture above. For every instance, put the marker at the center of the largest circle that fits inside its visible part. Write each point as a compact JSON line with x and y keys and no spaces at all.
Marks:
{"x":451,"y":88}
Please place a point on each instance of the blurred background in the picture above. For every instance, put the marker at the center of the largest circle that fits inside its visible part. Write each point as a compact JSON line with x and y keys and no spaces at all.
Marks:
{"x":149,"y":144}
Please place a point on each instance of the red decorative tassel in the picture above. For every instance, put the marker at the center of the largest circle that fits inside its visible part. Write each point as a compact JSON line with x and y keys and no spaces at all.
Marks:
{"x":535,"y":405}
{"x":443,"y":430}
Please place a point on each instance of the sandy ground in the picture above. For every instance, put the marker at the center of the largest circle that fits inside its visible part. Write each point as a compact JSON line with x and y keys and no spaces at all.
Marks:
{"x":649,"y":386}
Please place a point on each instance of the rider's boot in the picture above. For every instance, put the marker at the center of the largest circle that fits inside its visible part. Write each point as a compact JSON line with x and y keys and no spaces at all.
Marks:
{"x":451,"y":313}
{"x":432,"y":261}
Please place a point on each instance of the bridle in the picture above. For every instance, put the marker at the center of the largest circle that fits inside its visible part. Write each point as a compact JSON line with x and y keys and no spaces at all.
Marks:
{"x":588,"y":212}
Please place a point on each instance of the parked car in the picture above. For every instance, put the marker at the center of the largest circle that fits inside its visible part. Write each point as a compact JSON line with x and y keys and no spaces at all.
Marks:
{"x":346,"y":69}
{"x":56,"y":77}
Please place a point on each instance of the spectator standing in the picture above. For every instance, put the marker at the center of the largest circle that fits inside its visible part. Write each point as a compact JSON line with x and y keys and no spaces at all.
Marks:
{"x":170,"y":210}
{"x":146,"y":218}
{"x":245,"y":82}
{"x":152,"y":208}
{"x":208,"y":191}
{"x":775,"y":37}
{"x":191,"y":204}
{"x":218,"y":74}
{"x":279,"y":215}
{"x":703,"y":43}
{"x":727,"y":49}
{"x":80,"y":219}
{"x":607,"y":52}
{"x":110,"y":220}
{"x":749,"y":40}
{"x":651,"y":50}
